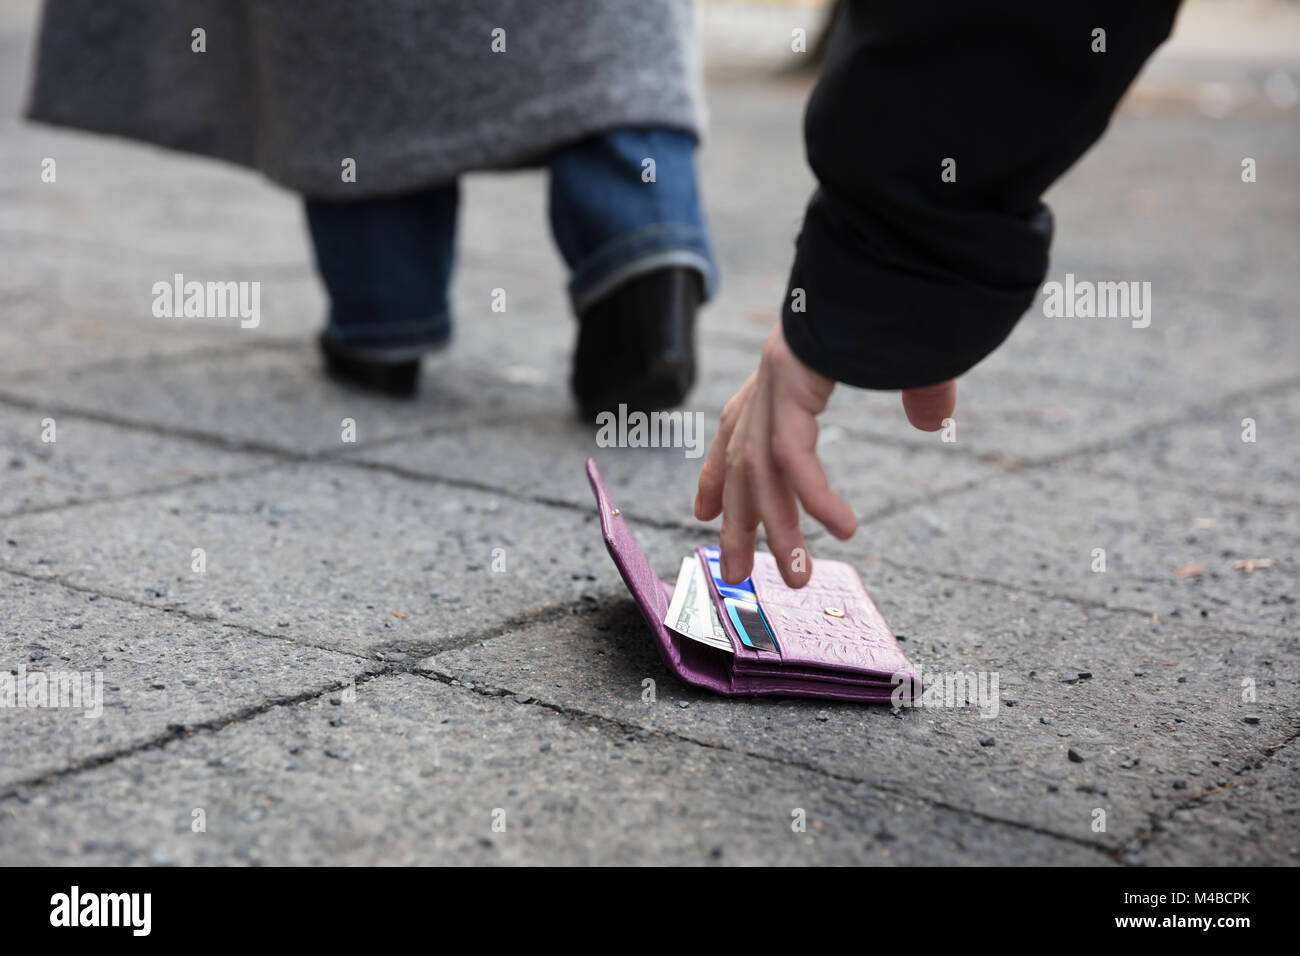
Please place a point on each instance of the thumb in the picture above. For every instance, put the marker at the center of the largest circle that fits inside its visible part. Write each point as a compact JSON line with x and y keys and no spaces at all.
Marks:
{"x":927,"y":407}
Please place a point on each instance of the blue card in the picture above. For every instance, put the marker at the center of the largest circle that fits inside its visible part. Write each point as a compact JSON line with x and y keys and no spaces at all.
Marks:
{"x":744,"y":591}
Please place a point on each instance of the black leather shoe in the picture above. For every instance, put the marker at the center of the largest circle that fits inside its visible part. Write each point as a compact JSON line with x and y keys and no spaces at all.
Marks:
{"x":636,"y":346}
{"x":398,"y":379}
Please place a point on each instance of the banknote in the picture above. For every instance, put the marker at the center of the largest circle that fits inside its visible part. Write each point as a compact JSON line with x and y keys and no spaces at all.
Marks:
{"x":691,"y":613}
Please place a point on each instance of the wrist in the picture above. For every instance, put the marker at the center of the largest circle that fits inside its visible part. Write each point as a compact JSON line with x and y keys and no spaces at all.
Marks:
{"x":791,"y":371}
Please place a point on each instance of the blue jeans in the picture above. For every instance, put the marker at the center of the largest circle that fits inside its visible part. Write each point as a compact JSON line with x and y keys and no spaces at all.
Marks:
{"x":387,"y":262}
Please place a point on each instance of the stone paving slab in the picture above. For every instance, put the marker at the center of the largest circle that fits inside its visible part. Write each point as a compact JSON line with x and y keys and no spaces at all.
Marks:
{"x":118,"y":194}
{"x":1076,"y":434}
{"x":121,"y":217}
{"x":70,"y":278}
{"x":993,"y":413}
{"x":1058,"y":385}
{"x":995,"y":420}
{"x":228,"y":224}
{"x":1209,"y":453}
{"x":1160,"y":717}
{"x":414,"y":770}
{"x":278,"y":397}
{"x":1194,"y":351}
{"x":58,"y":320}
{"x":156,"y":672}
{"x":1168,"y":550}
{"x":89,"y":460}
{"x":1257,"y":815}
{"x":1010,"y":408}
{"x":1158,"y":174}
{"x":56,"y":325}
{"x":657,"y":484}
{"x":275,"y":398}
{"x":347,"y":558}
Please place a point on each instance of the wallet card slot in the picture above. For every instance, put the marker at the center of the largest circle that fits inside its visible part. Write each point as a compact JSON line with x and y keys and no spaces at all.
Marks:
{"x":742,"y":650}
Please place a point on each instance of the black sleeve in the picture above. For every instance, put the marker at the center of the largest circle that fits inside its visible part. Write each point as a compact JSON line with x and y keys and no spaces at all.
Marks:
{"x":906,"y":280}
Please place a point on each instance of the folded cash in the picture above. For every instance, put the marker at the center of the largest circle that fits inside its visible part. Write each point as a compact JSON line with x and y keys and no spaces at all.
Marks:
{"x":692,"y":613}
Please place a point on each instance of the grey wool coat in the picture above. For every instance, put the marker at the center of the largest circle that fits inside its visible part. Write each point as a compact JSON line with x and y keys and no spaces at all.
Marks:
{"x":413,"y":91}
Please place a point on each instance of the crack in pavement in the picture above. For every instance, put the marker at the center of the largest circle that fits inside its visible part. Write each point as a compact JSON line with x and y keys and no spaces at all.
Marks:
{"x":284,"y":457}
{"x":192,"y":616}
{"x":1076,"y":600}
{"x":149,"y":492}
{"x":623,"y":727}
{"x":1156,"y":821}
{"x":346,"y":456}
{"x":542,"y":614}
{"x":1114,"y":443}
{"x":126,"y":364}
{"x":18,"y":790}
{"x":585,"y":510}
{"x":177,"y":732}
{"x":227,"y":442}
{"x":230,"y":443}
{"x":1231,"y":497}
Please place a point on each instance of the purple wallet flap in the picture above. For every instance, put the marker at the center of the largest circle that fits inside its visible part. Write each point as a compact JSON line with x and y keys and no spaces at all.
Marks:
{"x":690,"y":660}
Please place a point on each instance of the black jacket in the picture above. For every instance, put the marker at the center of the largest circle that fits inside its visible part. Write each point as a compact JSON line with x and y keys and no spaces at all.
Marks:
{"x":907,"y":280}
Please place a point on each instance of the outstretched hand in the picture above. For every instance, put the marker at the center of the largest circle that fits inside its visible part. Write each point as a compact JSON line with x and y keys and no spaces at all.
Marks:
{"x":763,"y":462}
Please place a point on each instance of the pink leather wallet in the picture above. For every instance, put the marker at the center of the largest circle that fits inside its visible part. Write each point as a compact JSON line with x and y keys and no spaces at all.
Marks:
{"x":832,"y":640}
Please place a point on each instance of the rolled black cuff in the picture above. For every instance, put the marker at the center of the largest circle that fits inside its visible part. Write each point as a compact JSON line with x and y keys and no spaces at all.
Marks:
{"x":878,"y":319}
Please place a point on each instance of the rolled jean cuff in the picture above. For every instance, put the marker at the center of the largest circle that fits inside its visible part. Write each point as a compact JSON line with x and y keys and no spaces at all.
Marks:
{"x":645,"y":250}
{"x":392,"y":340}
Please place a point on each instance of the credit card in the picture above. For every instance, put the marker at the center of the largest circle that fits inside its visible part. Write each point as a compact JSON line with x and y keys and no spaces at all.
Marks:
{"x":744,"y":591}
{"x":750,"y":625}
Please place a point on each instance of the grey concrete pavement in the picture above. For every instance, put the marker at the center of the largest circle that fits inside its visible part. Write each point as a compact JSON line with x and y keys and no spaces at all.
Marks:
{"x":372,"y":651}
{"x":416,"y":771}
{"x":160,"y":674}
{"x":1160,"y":697}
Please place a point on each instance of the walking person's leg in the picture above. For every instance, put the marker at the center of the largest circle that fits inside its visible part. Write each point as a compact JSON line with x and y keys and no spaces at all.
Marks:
{"x":626,"y":214}
{"x":386,"y":264}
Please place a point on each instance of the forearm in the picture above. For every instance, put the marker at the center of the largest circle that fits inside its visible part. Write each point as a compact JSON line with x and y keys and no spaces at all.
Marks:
{"x":904,"y":277}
